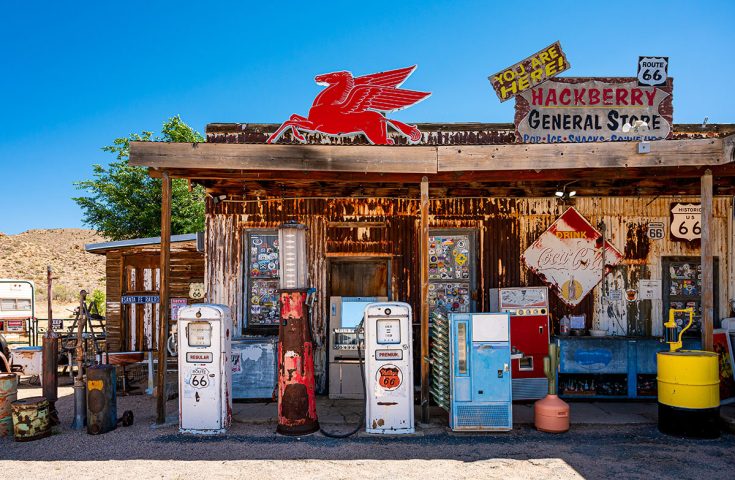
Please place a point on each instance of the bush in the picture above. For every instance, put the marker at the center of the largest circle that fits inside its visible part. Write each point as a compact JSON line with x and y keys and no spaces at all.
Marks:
{"x":98,"y":299}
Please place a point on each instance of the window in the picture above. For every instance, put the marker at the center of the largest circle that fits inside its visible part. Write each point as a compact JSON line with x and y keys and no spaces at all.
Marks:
{"x":262,"y":279}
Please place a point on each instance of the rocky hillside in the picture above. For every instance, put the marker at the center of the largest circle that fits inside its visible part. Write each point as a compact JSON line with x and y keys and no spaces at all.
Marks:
{"x":26,"y":255}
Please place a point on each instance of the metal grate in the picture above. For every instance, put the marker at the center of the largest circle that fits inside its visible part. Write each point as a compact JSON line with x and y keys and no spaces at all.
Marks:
{"x":530,"y":388}
{"x":484,"y":416}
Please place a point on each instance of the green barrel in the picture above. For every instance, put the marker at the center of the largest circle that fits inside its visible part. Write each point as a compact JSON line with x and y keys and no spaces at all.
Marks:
{"x":31,"y":419}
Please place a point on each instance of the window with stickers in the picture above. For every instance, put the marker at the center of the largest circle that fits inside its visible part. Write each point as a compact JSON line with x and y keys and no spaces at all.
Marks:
{"x":451,"y":270}
{"x":261,"y":278}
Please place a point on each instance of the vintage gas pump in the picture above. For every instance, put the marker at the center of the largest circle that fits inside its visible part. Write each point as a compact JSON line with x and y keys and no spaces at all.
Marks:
{"x":205,"y":372}
{"x":388,"y":368}
{"x":296,"y":387}
{"x":480,"y":375}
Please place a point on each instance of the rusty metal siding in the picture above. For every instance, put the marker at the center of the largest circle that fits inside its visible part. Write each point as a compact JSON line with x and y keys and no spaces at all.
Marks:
{"x":626,"y":219}
{"x":505,"y":228}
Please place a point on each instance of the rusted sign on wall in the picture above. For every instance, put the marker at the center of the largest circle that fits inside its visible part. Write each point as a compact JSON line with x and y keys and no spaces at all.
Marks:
{"x":568,"y":256}
{"x":530,"y":72}
{"x":579,"y":110}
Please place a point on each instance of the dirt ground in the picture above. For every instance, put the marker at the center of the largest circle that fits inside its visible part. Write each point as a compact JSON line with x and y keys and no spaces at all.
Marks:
{"x":256,"y":452}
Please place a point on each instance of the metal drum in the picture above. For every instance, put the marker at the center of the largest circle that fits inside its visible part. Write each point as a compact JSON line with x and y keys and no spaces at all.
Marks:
{"x":101,"y":399}
{"x":8,"y":394}
{"x":31,"y":419}
{"x":689,"y":393}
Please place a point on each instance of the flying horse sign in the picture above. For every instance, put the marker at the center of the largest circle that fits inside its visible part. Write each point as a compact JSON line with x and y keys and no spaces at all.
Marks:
{"x":357,"y":105}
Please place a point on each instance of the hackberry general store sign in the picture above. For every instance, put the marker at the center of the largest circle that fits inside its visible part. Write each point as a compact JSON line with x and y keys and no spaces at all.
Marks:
{"x":594,"y":110}
{"x":569,"y":257}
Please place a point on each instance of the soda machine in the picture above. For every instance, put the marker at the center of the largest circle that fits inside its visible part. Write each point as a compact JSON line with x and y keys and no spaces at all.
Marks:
{"x":480,"y":375}
{"x":529,"y":335}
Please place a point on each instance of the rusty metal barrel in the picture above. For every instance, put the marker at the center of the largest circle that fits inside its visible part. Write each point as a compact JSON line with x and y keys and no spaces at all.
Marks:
{"x":101,"y":399}
{"x":31,"y":419}
{"x":8,"y":394}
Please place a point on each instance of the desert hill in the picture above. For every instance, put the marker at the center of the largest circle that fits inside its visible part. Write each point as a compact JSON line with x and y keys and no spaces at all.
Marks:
{"x":26,"y":255}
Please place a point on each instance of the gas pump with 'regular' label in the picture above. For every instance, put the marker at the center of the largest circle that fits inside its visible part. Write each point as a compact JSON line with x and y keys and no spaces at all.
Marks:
{"x":388,"y":368}
{"x":205,"y":373}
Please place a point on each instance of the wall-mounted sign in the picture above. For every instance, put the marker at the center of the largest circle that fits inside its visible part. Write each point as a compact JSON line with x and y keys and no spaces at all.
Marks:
{"x":196,"y":291}
{"x":530,"y":72}
{"x":137,"y":299}
{"x":579,"y":110}
{"x":649,"y":289}
{"x":357,"y":105}
{"x":568,"y":256}
{"x":686,"y":221}
{"x":655,"y":230}
{"x":15,"y":325}
{"x":653,"y":71}
{"x":176,"y":305}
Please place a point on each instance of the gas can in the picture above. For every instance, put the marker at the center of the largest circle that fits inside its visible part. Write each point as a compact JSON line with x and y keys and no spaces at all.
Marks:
{"x":101,"y":399}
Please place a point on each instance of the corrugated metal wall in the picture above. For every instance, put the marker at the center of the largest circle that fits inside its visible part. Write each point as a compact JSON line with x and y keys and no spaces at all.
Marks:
{"x":506,"y":227}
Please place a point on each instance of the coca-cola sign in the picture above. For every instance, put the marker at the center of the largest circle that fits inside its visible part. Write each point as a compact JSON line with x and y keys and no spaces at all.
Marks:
{"x":569,"y":257}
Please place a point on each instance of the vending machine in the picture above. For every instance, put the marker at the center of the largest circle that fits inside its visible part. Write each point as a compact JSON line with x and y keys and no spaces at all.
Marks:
{"x":480,"y":378}
{"x":205,"y":370}
{"x":529,"y":336}
{"x":388,"y":368}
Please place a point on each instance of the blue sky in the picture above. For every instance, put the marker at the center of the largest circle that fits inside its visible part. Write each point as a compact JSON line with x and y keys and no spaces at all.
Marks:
{"x":78,"y":74}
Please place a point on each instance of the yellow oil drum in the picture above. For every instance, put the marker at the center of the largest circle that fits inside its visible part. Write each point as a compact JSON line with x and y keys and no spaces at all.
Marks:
{"x":689,"y":393}
{"x":8,"y":394}
{"x":31,"y":419}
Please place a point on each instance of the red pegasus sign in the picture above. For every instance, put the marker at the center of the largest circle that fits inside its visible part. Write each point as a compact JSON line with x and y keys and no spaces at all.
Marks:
{"x":350,"y":106}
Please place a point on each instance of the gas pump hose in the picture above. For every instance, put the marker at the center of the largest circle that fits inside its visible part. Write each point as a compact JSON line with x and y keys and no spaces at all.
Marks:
{"x":364,"y":402}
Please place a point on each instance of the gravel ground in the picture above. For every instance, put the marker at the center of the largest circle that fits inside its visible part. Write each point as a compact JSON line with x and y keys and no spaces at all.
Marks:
{"x":254,"y":451}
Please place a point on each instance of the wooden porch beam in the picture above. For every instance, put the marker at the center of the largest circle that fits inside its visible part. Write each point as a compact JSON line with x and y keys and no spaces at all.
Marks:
{"x":424,"y":286}
{"x":708,"y":301}
{"x":329,"y":158}
{"x":670,"y":153}
{"x":163,"y":306}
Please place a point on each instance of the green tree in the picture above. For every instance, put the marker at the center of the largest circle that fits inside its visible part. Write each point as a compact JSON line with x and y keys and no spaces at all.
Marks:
{"x":124,"y":202}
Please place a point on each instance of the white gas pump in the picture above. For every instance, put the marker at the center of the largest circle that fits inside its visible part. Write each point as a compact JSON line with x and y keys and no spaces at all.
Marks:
{"x":205,"y":372}
{"x":388,"y":368}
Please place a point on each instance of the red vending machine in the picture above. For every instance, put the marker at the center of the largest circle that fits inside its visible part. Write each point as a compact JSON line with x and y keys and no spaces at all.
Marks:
{"x":529,"y":337}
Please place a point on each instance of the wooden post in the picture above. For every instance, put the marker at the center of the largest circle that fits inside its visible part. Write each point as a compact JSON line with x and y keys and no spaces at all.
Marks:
{"x":424,"y":282}
{"x":708,"y":302}
{"x":163,"y":306}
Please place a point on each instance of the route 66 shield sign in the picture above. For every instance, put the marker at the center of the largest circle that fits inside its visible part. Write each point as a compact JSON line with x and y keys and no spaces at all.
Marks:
{"x":686,"y":221}
{"x":653,"y":71}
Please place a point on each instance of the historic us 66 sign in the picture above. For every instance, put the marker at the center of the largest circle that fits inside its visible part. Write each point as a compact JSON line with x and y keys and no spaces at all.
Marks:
{"x":686,"y":221}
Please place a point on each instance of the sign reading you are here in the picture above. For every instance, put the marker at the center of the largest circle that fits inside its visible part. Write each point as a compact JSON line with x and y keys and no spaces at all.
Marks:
{"x":530,"y":72}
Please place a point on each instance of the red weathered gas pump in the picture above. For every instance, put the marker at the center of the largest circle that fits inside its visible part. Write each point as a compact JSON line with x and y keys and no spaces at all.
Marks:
{"x":296,"y":395}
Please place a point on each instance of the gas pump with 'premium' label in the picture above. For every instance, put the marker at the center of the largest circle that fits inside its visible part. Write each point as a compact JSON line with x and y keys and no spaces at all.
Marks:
{"x":205,"y":373}
{"x":388,"y":368}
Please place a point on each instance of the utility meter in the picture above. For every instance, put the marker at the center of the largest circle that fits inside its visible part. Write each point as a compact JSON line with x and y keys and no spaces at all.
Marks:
{"x":205,"y":373}
{"x":388,"y":368}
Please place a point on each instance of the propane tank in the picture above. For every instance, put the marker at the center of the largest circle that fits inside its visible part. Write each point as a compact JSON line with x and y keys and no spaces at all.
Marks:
{"x":551,"y":413}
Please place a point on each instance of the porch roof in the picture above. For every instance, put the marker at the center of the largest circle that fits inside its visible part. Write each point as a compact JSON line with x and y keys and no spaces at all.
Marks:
{"x":456,"y":159}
